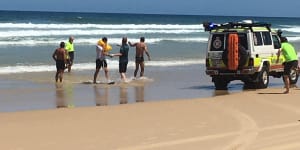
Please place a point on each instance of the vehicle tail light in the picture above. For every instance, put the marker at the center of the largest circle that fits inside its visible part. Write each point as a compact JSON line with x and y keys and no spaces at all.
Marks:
{"x":207,"y":62}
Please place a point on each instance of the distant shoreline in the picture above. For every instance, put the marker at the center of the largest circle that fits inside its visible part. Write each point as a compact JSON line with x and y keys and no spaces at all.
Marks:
{"x":122,"y":13}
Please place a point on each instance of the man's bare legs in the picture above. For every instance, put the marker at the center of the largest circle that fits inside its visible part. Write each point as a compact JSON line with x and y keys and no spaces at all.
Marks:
{"x":106,"y":74}
{"x":287,"y":84}
{"x":56,"y":76}
{"x":95,"y":75}
{"x":142,"y":69}
{"x":137,"y":65}
{"x":69,"y":67}
{"x":97,"y":72}
{"x":59,"y":75}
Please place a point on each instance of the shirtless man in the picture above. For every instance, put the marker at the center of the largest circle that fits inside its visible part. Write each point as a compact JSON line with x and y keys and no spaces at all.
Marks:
{"x":141,"y":48}
{"x":60,"y":58}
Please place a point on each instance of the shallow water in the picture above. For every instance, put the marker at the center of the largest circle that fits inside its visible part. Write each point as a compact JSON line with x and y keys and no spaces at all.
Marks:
{"x":36,"y":91}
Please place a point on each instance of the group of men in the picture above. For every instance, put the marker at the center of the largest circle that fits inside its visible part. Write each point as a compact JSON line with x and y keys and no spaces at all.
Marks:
{"x":64,"y":55}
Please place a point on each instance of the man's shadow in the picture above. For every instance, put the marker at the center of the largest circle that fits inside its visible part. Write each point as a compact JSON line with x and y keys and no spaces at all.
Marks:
{"x":271,"y":93}
{"x":292,"y":86}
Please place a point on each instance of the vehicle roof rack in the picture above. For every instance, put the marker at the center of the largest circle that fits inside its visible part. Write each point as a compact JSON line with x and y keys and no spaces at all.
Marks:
{"x":208,"y":26}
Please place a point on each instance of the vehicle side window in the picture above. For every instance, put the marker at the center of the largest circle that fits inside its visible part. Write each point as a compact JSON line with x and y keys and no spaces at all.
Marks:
{"x":276,"y":42}
{"x":257,"y":38}
{"x":217,"y":42}
{"x":267,"y":38}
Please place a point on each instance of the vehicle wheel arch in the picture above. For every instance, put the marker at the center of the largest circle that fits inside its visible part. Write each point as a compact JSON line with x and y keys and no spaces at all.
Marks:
{"x":265,"y":63}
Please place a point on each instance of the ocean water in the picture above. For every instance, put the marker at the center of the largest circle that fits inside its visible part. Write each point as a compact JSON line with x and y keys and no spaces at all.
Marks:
{"x":177,"y":45}
{"x":28,"y":39}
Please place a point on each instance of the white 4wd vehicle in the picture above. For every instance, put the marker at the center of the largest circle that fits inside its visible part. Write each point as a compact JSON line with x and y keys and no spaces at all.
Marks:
{"x":244,"y":51}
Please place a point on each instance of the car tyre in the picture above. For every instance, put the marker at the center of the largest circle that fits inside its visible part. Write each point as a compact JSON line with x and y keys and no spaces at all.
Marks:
{"x":263,"y":78}
{"x":220,"y":84}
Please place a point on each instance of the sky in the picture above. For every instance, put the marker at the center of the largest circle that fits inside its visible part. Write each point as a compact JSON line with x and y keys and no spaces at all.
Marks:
{"x":265,"y":8}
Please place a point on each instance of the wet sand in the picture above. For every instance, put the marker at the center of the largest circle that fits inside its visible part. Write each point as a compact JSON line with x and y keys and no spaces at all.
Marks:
{"x":253,"y":120}
{"x":37,"y":91}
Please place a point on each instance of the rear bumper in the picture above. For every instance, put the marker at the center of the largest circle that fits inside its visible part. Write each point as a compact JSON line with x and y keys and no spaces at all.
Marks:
{"x":213,"y":72}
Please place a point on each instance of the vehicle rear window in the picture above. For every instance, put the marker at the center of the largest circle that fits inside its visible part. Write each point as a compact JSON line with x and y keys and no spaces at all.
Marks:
{"x":276,"y":42}
{"x":218,"y":42}
{"x":243,"y":40}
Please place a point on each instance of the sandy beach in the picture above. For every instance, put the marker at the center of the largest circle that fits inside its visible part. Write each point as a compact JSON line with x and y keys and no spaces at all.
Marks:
{"x":173,"y":109}
{"x":253,"y":120}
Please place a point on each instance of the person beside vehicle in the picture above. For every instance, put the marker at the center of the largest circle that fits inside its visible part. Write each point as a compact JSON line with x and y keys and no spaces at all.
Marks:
{"x":291,"y":60}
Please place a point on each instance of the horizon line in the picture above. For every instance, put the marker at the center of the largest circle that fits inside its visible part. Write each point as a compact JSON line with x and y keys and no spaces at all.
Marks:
{"x":132,"y":13}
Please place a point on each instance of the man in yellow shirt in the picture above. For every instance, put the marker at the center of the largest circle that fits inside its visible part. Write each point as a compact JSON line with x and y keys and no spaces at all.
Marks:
{"x":70,"y":49}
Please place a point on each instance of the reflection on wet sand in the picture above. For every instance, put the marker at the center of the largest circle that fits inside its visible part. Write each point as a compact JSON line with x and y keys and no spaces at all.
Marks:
{"x":221,"y":92}
{"x":139,"y":93}
{"x":60,"y":96}
{"x":123,"y":95}
{"x":101,"y":96}
{"x":64,"y":95}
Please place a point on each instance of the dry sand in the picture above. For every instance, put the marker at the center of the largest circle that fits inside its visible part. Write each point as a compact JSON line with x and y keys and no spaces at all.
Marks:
{"x":253,"y":120}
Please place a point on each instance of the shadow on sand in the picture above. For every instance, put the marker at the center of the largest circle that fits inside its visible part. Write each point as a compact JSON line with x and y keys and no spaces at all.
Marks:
{"x":271,"y":93}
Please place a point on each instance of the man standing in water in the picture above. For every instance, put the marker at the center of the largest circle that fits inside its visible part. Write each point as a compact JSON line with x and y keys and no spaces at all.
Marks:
{"x":102,"y":52}
{"x":141,"y":48}
{"x":123,"y":58}
{"x":70,"y":48}
{"x":59,"y":56}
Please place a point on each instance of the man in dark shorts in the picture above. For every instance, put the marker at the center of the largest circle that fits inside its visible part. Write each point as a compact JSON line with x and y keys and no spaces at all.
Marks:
{"x":123,"y":58}
{"x":101,"y":61}
{"x":70,"y":49}
{"x":59,"y":56}
{"x":141,"y":48}
{"x":291,"y":60}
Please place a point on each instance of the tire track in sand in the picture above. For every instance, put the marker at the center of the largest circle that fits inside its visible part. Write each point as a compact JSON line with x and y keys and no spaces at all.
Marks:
{"x":243,"y":138}
{"x":248,"y":132}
